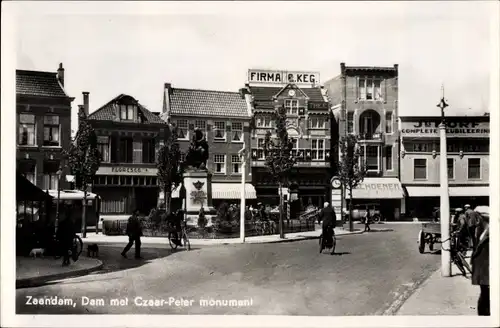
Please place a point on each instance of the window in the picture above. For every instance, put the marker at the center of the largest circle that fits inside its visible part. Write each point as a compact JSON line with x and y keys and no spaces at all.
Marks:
{"x":388,"y":158}
{"x":372,"y":158}
{"x":451,"y":168}
{"x":27,"y":169}
{"x":264,"y":122}
{"x":350,"y":122}
{"x":369,"y":89}
{"x":182,"y":130}
{"x":27,"y":130}
{"x":220,"y":163}
{"x":318,"y":149}
{"x":388,"y":122}
{"x":220,"y":130}
{"x":421,"y":147}
{"x":200,"y":124}
{"x":103,"y":146}
{"x":474,"y":168}
{"x":419,"y":169}
{"x":126,"y":150}
{"x":50,"y":177}
{"x":260,"y":148}
{"x":292,"y":106}
{"x":235,"y":161}
{"x":127,"y":112}
{"x":148,"y":150}
{"x":237,"y":131}
{"x":317,"y":122}
{"x":51,"y":131}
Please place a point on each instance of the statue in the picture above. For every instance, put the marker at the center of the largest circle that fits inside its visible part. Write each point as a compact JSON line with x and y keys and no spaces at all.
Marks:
{"x":197,"y":154}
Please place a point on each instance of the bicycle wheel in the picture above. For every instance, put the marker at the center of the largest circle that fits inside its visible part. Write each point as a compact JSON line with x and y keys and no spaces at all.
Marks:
{"x":459,"y":264}
{"x":376,"y":218}
{"x":463,"y":262}
{"x":170,"y":240}
{"x":77,"y":247}
{"x":187,"y":244}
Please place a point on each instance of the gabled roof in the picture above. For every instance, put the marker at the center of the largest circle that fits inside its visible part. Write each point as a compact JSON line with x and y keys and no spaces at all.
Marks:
{"x":41,"y":84}
{"x":265,"y":94}
{"x":107,"y":112}
{"x":207,"y":103}
{"x":290,"y":86}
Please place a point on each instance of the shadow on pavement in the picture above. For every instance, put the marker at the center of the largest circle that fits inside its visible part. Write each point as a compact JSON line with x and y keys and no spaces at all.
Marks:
{"x":341,"y":253}
{"x":379,"y":230}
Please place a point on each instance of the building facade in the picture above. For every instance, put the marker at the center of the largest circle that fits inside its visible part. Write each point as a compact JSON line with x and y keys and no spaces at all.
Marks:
{"x":43,"y":126}
{"x":224,"y":119}
{"x":308,"y":125}
{"x":129,"y":137}
{"x":467,"y":158}
{"x":365,"y":103}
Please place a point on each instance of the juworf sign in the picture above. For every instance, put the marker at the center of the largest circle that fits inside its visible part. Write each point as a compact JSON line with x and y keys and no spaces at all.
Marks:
{"x":457,"y":128}
{"x":281,"y":77}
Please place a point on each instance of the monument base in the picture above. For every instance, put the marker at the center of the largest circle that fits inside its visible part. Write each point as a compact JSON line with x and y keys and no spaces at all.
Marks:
{"x":198,"y":185}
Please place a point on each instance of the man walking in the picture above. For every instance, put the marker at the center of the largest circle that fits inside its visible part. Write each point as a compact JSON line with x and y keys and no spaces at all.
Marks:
{"x":327,"y":215}
{"x":134,"y":232}
{"x":480,"y":261}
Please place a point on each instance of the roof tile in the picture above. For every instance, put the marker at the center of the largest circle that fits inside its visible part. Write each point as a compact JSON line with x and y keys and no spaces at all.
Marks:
{"x":34,"y":83}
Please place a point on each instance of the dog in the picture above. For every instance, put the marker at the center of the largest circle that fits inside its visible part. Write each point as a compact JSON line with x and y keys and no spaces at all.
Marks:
{"x":93,"y":250}
{"x":37,"y":251}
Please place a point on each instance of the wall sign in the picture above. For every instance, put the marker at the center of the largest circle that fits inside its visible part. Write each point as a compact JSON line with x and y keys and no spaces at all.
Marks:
{"x":127,"y":170}
{"x":317,"y":105}
{"x":455,"y":128}
{"x":259,"y":76}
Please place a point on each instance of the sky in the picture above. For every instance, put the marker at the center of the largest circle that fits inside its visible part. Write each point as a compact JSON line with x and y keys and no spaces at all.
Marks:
{"x":134,"y":48}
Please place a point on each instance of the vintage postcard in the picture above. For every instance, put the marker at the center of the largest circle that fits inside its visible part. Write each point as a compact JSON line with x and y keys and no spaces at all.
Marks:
{"x":253,"y":164}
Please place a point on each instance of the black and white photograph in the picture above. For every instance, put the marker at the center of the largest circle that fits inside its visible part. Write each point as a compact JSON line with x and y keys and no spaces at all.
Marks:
{"x":246,"y":163}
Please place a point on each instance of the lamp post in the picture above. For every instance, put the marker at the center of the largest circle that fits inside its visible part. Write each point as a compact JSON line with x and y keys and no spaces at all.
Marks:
{"x":243,"y":157}
{"x":445,"y":197}
{"x":59,"y":173}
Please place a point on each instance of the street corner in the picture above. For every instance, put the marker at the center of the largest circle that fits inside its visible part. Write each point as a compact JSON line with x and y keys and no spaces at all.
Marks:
{"x":36,"y":272}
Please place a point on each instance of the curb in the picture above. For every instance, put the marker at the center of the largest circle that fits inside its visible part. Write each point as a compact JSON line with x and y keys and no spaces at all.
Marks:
{"x":38,"y":281}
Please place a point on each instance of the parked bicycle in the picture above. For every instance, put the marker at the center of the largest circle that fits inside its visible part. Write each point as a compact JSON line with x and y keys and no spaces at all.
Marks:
{"x":57,"y":250}
{"x":458,"y":253}
{"x":265,"y":227}
{"x":183,"y":235}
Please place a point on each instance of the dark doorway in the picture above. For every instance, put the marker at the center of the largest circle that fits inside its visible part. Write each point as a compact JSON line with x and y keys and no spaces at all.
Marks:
{"x":146,"y":199}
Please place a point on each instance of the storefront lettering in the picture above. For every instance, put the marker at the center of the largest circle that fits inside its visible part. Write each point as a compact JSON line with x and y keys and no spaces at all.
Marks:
{"x":313,"y":105}
{"x":264,"y":76}
{"x":128,"y":170}
{"x":452,"y":127}
{"x":379,"y":186}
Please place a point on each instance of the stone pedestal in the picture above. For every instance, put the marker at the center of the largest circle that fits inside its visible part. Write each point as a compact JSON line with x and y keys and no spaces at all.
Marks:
{"x":198,"y":184}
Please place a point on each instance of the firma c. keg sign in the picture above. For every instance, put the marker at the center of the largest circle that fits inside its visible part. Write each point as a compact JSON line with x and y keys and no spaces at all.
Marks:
{"x":259,"y":76}
{"x":456,"y":128}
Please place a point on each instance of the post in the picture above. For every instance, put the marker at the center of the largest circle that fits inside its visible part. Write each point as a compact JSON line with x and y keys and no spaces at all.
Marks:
{"x":59,"y":172}
{"x":445,"y":197}
{"x":243,"y":158}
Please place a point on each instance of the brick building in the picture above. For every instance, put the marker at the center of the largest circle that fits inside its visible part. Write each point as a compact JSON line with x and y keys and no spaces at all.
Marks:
{"x":225,"y":121}
{"x":308,"y":116}
{"x":129,"y":137}
{"x":43,"y":126}
{"x":467,"y":158}
{"x":365,"y":103}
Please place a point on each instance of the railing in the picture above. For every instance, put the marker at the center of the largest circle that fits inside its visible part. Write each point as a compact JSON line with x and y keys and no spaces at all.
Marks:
{"x":371,"y":136}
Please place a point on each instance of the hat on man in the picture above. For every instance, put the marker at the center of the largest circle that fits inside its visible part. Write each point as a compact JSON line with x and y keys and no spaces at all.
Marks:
{"x":326,"y":204}
{"x":467,"y":206}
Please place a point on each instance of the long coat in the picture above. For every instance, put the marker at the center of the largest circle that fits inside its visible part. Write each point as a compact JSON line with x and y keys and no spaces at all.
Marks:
{"x":480,"y":261}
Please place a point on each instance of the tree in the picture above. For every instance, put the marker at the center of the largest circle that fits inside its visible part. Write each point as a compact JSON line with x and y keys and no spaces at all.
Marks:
{"x":351,"y":171}
{"x":169,"y":165}
{"x":84,"y":160}
{"x":279,"y":158}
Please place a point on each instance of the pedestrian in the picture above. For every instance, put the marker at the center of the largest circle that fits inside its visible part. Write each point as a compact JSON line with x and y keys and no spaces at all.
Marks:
{"x":65,"y":233}
{"x":460,"y":224}
{"x":327,"y":215}
{"x":134,"y":232}
{"x":368,"y":219}
{"x":472,"y":219}
{"x":480,"y":261}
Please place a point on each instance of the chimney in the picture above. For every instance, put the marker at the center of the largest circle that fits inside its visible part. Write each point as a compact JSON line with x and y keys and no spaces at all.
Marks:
{"x":243,"y":92}
{"x":81,"y":114}
{"x":342,"y":68}
{"x":60,"y":74}
{"x":86,"y":103}
{"x":167,"y":91}
{"x":396,"y":67}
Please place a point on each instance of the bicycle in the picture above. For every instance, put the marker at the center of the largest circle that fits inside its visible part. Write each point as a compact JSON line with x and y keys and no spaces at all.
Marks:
{"x":323,"y":244}
{"x":183,"y":236}
{"x":457,"y":251}
{"x":76,"y":248}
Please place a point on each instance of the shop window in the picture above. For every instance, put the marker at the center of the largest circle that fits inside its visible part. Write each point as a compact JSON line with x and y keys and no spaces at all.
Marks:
{"x":220,"y":163}
{"x":148,"y":150}
{"x":220,"y":130}
{"x":292,"y":106}
{"x":419,"y":169}
{"x":182,"y":130}
{"x":51,"y":131}
{"x":127,"y":112}
{"x":237,"y":131}
{"x":450,"y":162}
{"x":318,"y":149}
{"x":103,"y":146}
{"x":474,"y":168}
{"x":126,"y":150}
{"x":236,"y":165}
{"x":27,"y":130}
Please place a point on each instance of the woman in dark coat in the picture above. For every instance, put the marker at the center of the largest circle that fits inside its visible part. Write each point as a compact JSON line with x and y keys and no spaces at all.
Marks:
{"x":480,"y":261}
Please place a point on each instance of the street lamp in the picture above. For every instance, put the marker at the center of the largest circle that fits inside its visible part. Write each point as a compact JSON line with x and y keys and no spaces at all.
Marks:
{"x":243,"y":158}
{"x":445,"y":197}
{"x":59,"y":173}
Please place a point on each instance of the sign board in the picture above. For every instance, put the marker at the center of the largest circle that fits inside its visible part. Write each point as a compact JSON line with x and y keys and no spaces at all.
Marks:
{"x":318,"y":105}
{"x":260,"y":76}
{"x":378,"y":188}
{"x":126,"y":170}
{"x":467,"y":128}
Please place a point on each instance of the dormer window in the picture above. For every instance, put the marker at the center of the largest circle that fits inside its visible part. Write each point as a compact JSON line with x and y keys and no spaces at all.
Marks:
{"x":127,"y":112}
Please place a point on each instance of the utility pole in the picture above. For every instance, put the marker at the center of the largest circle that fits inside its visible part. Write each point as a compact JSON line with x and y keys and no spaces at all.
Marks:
{"x":445,"y":197}
{"x":243,"y":158}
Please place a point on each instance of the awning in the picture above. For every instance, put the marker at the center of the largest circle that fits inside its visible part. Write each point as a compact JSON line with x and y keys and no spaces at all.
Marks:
{"x":71,"y":195}
{"x":433,"y":191}
{"x":379,"y":188}
{"x":25,"y":190}
{"x":224,"y":191}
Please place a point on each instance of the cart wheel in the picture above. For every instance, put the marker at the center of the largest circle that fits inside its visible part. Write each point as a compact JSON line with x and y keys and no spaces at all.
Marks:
{"x":376,"y":218}
{"x":421,"y":242}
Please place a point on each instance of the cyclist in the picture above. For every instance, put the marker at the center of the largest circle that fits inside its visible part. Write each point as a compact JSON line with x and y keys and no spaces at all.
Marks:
{"x":327,"y":215}
{"x":175,"y":219}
